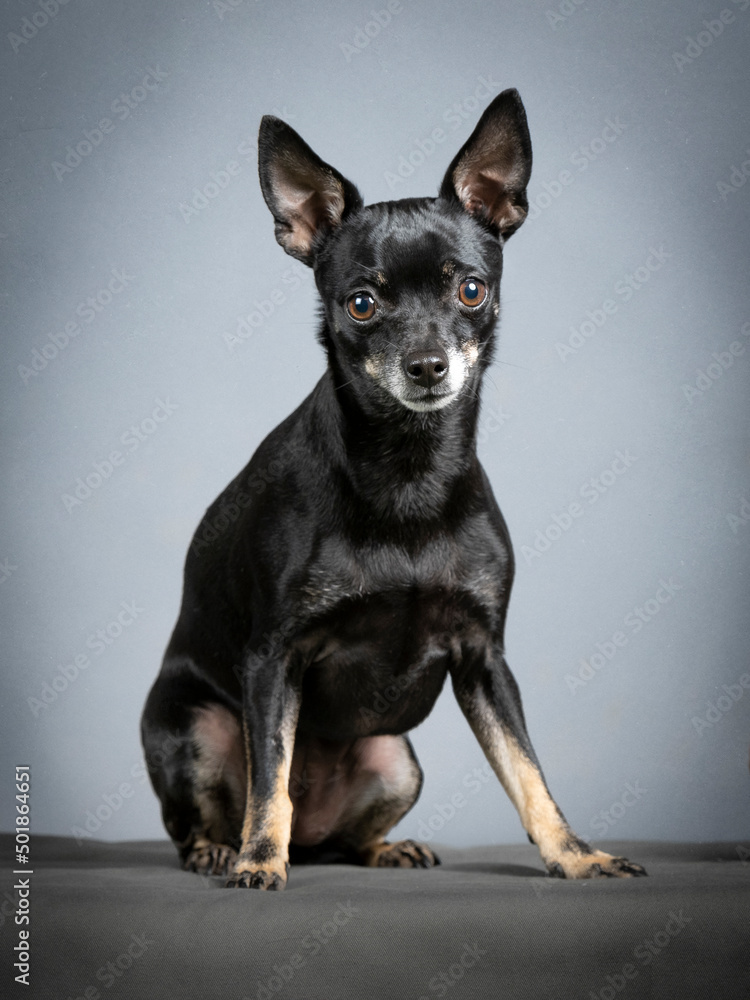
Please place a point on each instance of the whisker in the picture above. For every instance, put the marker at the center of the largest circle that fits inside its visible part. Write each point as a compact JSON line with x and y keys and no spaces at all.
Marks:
{"x":511,"y":365}
{"x":365,"y":267}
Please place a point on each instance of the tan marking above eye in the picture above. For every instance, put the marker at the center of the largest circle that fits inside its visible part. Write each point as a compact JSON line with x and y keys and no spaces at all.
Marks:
{"x":472,"y":292}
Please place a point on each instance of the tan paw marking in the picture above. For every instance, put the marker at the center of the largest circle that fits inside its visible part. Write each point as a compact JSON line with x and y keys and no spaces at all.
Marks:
{"x":210,"y":859}
{"x":402,"y":854}
{"x":594,"y":865}
{"x":269,"y":874}
{"x":268,"y":880}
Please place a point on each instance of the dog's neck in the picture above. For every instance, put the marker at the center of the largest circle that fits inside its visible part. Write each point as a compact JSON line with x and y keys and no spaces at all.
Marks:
{"x":401,"y":465}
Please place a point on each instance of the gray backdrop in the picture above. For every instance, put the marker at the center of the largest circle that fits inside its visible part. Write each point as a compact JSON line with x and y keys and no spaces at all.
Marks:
{"x":155,"y":332}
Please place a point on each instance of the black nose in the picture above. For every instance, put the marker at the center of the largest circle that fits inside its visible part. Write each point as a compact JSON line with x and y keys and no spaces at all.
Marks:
{"x":426,"y":368}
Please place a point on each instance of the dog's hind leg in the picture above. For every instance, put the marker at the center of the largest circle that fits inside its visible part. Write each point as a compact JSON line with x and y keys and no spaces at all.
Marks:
{"x":489,"y":698}
{"x":388,"y":780}
{"x":195,"y":761}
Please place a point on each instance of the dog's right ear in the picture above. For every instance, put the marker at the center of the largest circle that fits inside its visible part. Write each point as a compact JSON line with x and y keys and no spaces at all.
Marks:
{"x":305,"y":195}
{"x":489,"y":174}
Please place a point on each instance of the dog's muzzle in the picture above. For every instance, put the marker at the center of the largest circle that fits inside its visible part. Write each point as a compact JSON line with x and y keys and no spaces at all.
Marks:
{"x":426,"y":379}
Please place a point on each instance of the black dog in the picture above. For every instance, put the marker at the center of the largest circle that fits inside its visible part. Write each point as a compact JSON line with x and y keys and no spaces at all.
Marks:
{"x":361,"y":551}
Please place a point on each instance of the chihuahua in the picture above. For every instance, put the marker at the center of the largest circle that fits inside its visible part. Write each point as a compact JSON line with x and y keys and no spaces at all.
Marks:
{"x":360,"y":558}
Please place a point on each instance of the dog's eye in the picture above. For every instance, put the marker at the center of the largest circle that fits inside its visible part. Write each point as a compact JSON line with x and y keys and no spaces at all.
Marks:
{"x":472,"y":292}
{"x":361,"y":306}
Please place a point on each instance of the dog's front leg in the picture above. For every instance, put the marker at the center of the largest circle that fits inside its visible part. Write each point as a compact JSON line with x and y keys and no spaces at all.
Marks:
{"x":270,"y":707}
{"x":488,"y":695}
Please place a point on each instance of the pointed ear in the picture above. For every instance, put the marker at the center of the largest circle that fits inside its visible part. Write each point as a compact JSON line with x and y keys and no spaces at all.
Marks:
{"x":491,"y":170}
{"x":304,"y":194}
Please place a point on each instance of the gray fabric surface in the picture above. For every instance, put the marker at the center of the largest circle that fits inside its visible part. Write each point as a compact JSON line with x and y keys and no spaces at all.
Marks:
{"x":122,"y":920}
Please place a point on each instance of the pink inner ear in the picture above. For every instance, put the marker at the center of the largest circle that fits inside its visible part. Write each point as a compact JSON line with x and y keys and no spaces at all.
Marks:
{"x":484,"y":193}
{"x":305,"y":204}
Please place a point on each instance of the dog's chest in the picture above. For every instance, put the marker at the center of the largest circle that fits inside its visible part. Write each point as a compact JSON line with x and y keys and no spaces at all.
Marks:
{"x":385,"y":625}
{"x":380,"y":662}
{"x":438,"y":570}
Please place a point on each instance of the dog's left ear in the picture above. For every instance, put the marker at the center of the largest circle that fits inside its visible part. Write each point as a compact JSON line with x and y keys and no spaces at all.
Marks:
{"x":305,"y":195}
{"x":491,"y":170}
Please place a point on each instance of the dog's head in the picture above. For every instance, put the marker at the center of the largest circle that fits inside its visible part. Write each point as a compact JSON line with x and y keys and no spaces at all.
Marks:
{"x":410,"y":289}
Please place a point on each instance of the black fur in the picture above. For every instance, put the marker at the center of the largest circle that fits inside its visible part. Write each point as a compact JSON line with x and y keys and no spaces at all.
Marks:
{"x":361,"y":550}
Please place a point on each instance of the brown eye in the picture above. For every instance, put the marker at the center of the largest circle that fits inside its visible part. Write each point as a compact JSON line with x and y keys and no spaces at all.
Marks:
{"x":472,"y":292}
{"x":361,"y":306}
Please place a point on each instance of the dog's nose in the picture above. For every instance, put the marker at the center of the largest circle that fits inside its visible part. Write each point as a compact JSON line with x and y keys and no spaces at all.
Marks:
{"x":426,"y":368}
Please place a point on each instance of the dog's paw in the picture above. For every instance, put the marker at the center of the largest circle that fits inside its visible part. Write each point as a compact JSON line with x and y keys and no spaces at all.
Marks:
{"x":402,"y":854}
{"x":597,"y":864}
{"x":210,"y":859}
{"x":270,"y":881}
{"x":256,"y":877}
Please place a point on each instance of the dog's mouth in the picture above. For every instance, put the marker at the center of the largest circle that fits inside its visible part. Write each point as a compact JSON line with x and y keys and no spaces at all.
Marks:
{"x":430,"y":399}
